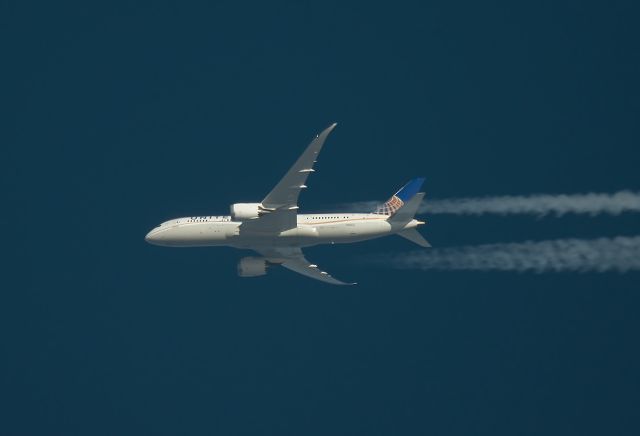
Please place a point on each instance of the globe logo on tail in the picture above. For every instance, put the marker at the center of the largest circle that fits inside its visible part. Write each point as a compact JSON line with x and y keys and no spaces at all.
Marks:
{"x":398,"y":200}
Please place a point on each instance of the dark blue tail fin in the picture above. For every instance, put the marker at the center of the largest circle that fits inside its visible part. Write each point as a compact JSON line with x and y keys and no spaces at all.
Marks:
{"x":398,"y":200}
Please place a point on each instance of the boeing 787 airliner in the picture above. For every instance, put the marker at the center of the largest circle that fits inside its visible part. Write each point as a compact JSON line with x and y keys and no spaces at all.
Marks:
{"x":274,"y":229}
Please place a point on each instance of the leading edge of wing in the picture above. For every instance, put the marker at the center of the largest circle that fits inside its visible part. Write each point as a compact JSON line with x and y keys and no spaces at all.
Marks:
{"x":293,"y":259}
{"x":285,"y":194}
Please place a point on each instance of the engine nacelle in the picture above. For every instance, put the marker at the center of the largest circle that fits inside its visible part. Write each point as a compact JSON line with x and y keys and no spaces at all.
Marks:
{"x":252,"y":266}
{"x":244,"y":211}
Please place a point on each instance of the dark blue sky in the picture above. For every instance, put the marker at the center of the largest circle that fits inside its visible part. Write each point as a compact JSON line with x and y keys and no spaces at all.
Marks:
{"x":116,"y":118}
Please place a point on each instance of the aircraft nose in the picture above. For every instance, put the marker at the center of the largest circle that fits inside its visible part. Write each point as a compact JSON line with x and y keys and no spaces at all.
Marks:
{"x":151,"y":238}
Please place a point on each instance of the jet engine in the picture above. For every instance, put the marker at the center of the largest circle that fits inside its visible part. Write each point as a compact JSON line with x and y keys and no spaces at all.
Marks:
{"x":245,"y":211}
{"x":252,"y":266}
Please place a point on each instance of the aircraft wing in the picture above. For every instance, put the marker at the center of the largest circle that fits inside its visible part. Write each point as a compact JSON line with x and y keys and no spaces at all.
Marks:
{"x":294,"y":260}
{"x":284,"y":196}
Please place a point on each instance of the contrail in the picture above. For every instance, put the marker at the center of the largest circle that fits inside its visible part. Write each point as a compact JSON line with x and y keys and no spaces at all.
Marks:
{"x":619,"y":254}
{"x":536,"y":204}
{"x":539,"y":204}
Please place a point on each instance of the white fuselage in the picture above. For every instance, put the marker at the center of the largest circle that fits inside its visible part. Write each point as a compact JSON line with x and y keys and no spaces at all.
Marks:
{"x":312,"y":229}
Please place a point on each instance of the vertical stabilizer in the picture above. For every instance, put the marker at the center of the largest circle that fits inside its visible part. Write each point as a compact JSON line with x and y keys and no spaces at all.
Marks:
{"x":408,"y":210}
{"x":398,"y":200}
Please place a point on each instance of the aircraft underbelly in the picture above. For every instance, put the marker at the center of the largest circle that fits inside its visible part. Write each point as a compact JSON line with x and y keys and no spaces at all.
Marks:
{"x":353,"y":232}
{"x":305,"y":235}
{"x":297,"y":237}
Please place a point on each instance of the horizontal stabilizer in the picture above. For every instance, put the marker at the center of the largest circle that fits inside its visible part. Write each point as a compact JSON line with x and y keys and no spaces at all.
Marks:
{"x":414,"y":236}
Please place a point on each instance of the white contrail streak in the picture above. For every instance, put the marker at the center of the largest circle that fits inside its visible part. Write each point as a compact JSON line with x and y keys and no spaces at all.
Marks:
{"x":536,"y":204}
{"x":539,"y":204}
{"x":619,"y":254}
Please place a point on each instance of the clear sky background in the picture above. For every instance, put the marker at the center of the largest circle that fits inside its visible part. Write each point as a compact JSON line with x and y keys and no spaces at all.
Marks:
{"x":118,"y":117}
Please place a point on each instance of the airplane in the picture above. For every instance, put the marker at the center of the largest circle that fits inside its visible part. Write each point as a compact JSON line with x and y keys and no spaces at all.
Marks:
{"x":277,"y":232}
